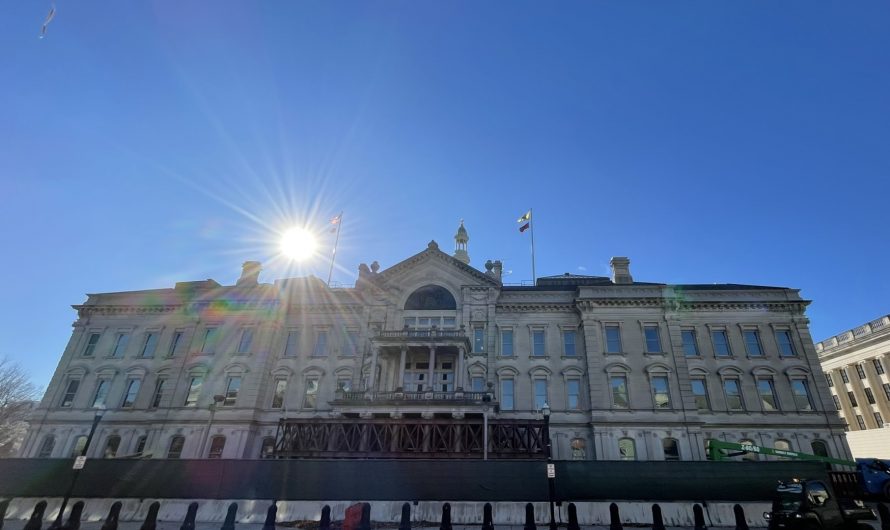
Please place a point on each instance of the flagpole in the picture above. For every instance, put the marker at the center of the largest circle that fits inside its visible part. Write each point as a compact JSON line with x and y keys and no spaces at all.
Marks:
{"x":334,"y":253}
{"x":531,"y":222}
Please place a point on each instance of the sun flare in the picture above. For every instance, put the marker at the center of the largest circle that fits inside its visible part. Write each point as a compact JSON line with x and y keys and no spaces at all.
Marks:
{"x":298,"y":244}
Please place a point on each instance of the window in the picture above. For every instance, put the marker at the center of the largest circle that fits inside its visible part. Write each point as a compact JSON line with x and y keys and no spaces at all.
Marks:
{"x":268,"y":448}
{"x":279,"y":393}
{"x":232,"y":388}
{"x":700,"y":393}
{"x":879,"y":420}
{"x":837,"y":402}
{"x":690,"y":344}
{"x":579,"y":448}
{"x":721,"y":343}
{"x":478,"y":340}
{"x":176,"y":445}
{"x":310,"y":397}
{"x":507,"y":387}
{"x":174,"y":343}
{"x":886,"y":387}
{"x":477,"y":383}
{"x":573,"y":394}
{"x":131,"y":393}
{"x":879,"y":368}
{"x":660,"y":394}
{"x":750,"y":455}
{"x":246,"y":341}
{"x":783,"y":339}
{"x":140,"y":445}
{"x":91,"y":344}
{"x":801,"y":391}
{"x":344,"y":384}
{"x":351,"y":346}
{"x":217,"y":444}
{"x":46,"y":448}
{"x":191,"y":399}
{"x":869,"y":395}
{"x":861,"y":371}
{"x":507,"y":343}
{"x":844,"y":376}
{"x":671,"y":449}
{"x":819,"y":448}
{"x":148,"y":347}
{"x":158,"y":393}
{"x":627,"y":449}
{"x":321,"y":344}
{"x":538,"y":343}
{"x":619,"y":391}
{"x":861,"y":421}
{"x":852,"y":399}
{"x":733,"y":392}
{"x":752,"y":343}
{"x":101,"y":393}
{"x":613,"y":339}
{"x":111,"y":446}
{"x":829,"y":379}
{"x":80,"y":444}
{"x":120,"y":344}
{"x":568,"y":343}
{"x":540,"y":393}
{"x":817,"y":493}
{"x":782,"y":445}
{"x":767,"y":391}
{"x":70,"y":392}
{"x":653,"y":339}
{"x":208,"y":345}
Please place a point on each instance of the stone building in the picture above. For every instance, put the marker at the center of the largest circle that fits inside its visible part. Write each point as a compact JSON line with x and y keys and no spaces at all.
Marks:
{"x":855,"y":364}
{"x":432,"y":357}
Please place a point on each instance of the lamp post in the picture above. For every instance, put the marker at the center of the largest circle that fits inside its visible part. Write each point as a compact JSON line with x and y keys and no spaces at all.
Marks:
{"x":217,"y":399}
{"x":78,"y":465}
{"x":551,"y":469}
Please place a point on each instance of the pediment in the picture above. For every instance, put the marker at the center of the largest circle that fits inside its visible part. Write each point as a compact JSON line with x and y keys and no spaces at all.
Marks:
{"x":431,"y":266}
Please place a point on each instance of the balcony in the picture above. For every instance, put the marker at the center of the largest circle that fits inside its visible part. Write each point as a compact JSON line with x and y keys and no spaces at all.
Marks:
{"x":396,"y":397}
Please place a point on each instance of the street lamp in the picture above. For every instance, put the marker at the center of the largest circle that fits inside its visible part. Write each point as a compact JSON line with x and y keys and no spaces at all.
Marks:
{"x":551,"y":469}
{"x":78,"y":465}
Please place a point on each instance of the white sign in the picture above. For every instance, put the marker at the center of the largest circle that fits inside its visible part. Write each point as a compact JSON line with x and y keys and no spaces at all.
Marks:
{"x":551,"y":470}
{"x":79,"y":462}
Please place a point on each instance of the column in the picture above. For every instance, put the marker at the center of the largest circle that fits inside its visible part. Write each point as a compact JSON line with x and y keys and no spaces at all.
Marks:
{"x":401,"y":384}
{"x":372,"y":376}
{"x":431,"y":372}
{"x":461,"y":369}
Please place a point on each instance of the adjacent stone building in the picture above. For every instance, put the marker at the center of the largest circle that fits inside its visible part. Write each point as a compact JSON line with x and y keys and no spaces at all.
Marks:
{"x":855,"y":364}
{"x":434,"y":358}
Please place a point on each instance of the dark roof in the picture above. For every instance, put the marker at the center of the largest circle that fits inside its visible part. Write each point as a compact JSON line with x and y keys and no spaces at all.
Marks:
{"x":724,"y":287}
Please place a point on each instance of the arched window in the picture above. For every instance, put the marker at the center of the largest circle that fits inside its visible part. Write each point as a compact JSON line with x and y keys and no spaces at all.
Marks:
{"x":431,"y":298}
{"x":217,"y":444}
{"x":782,"y":445}
{"x":111,"y":446}
{"x":671,"y":448}
{"x":176,"y":445}
{"x":46,"y":448}
{"x":819,"y":448}
{"x":750,"y":456}
{"x":140,"y":445}
{"x":579,"y":449}
{"x":268,"y":448}
{"x":79,"y":443}
{"x":708,"y":448}
{"x":627,"y":449}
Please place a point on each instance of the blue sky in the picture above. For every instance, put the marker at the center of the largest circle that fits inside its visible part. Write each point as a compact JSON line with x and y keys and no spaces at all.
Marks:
{"x":143,"y":143}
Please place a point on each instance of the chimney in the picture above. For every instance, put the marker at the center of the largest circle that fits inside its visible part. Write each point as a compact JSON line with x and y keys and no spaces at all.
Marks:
{"x":250,"y":274}
{"x":498,"y":270}
{"x":621,"y":270}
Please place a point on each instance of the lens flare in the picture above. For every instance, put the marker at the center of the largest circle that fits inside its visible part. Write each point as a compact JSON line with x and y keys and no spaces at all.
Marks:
{"x":298,"y":244}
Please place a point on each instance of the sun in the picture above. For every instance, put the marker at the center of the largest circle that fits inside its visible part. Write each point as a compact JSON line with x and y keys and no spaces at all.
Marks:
{"x":298,"y":244}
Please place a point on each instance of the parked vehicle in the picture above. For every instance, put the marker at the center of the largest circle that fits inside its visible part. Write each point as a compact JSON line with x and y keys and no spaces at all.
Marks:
{"x":874,"y":477}
{"x":817,"y":505}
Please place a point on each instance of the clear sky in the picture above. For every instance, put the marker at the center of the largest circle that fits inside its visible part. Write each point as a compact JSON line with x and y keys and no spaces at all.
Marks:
{"x":144,"y":143}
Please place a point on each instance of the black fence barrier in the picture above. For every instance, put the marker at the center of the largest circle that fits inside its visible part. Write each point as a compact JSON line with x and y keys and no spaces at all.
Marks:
{"x":397,"y":480}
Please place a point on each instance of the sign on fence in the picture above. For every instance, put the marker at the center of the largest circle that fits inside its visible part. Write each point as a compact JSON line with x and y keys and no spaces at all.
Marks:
{"x":551,"y":470}
{"x":79,"y":462}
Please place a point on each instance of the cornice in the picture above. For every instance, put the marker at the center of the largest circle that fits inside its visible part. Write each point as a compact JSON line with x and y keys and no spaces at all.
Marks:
{"x":535,"y":308}
{"x":327,"y":308}
{"x":87,"y":310}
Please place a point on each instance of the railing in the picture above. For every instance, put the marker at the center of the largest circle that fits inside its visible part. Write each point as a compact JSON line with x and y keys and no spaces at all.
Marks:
{"x":394,"y":396}
{"x":432,"y":333}
{"x":853,"y":334}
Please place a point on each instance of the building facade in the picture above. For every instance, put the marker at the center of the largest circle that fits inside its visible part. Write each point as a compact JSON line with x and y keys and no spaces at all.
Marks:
{"x":432,"y":357}
{"x":855,"y":364}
